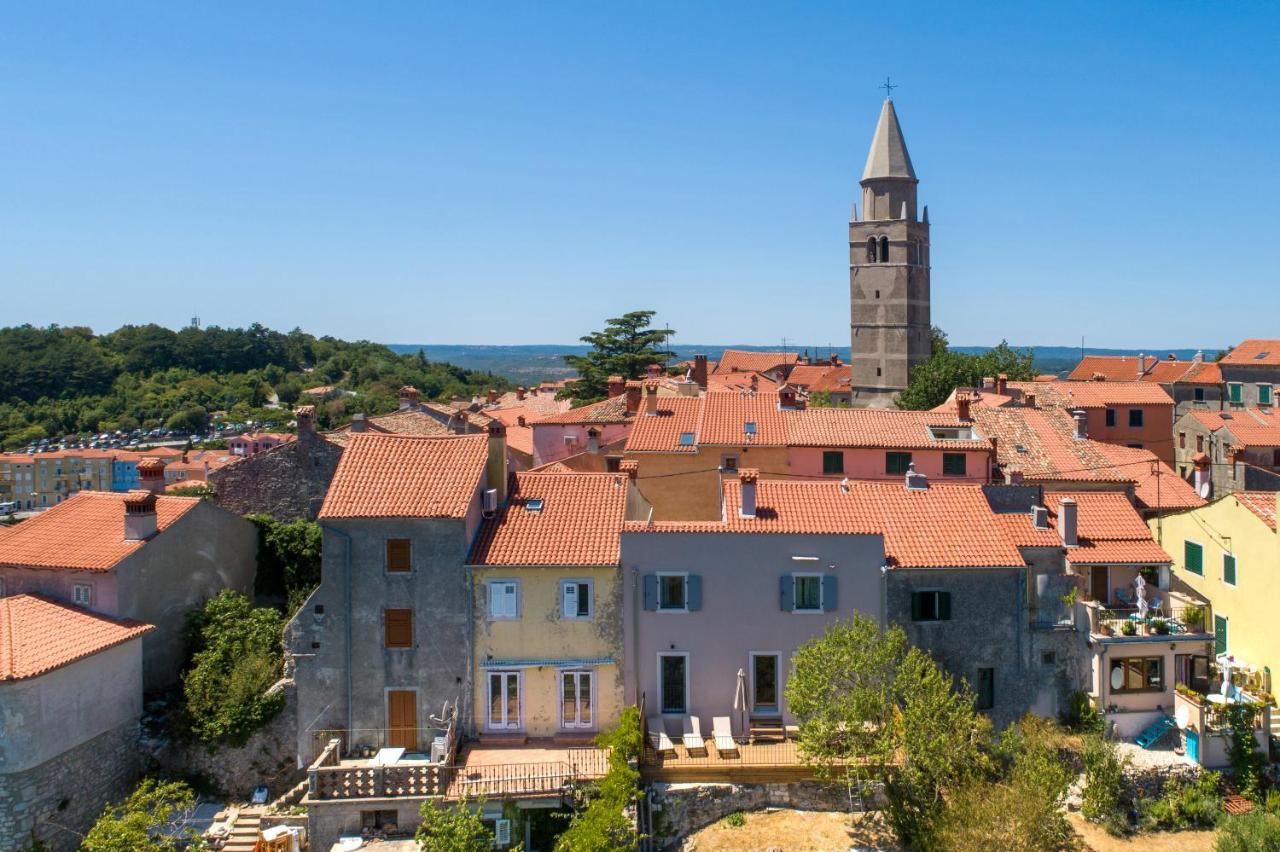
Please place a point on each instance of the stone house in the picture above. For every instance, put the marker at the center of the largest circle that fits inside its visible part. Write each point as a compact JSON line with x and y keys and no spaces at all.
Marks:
{"x":1138,"y":415}
{"x":1231,"y":450}
{"x":1250,"y":372}
{"x":136,"y":555}
{"x":1191,"y":384}
{"x":70,"y":700}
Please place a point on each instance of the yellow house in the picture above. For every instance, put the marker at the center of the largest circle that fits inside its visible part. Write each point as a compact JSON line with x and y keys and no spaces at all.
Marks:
{"x":1227,"y":552}
{"x":548,"y":609}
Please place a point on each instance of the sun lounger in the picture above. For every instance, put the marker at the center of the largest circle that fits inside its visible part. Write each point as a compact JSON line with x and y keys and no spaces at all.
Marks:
{"x":723,"y":732}
{"x":658,"y":735}
{"x":692,"y":735}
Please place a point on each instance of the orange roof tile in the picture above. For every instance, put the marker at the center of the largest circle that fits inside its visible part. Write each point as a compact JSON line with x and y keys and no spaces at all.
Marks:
{"x":660,"y":432}
{"x":611,"y":410}
{"x":725,"y":417}
{"x":577,"y":524}
{"x":84,"y":532}
{"x":1250,"y":427}
{"x":1124,"y":368}
{"x":1254,"y":351}
{"x":1261,"y":503}
{"x":866,"y":427}
{"x":1042,"y":444}
{"x":835,"y":379}
{"x":1164,"y":490}
{"x":808,"y":375}
{"x":1205,"y":373}
{"x":406,"y":476}
{"x":1109,"y":529}
{"x":1094,"y":394}
{"x":743,"y":361}
{"x":737,"y":382}
{"x":38,"y":634}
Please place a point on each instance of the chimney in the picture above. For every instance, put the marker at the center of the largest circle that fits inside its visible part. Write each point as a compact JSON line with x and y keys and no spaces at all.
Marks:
{"x":1040,"y":517}
{"x":520,"y":421}
{"x":1202,"y":481}
{"x":1013,"y":475}
{"x":1082,"y":422}
{"x":493,"y":396}
{"x":408,"y":397}
{"x":534,"y":390}
{"x":835,"y":359}
{"x":755,"y":383}
{"x":1142,"y":361}
{"x":1067,"y":522}
{"x":747,"y":477}
{"x":654,"y":372}
{"x":700,"y":371}
{"x":520,"y":393}
{"x":306,"y":417}
{"x":651,"y":397}
{"x":616,"y":386}
{"x":140,"y":514}
{"x":963,"y":402}
{"x":787,"y":397}
{"x":916,"y":481}
{"x":496,"y":469}
{"x":593,"y":440}
{"x":358,"y":423}
{"x":1002,"y":383}
{"x":1199,"y":357}
{"x":151,"y":475}
{"x":629,"y":468}
{"x":1029,"y":399}
{"x":988,"y":383}
{"x":634,"y":389}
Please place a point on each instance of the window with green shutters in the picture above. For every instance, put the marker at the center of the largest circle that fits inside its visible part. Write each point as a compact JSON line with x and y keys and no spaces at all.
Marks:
{"x":1235,"y":392}
{"x":1264,"y":394}
{"x":1193,"y":557}
{"x":833,"y":461}
{"x":896,"y":462}
{"x":1228,"y":568}
{"x":954,"y":464}
{"x":1219,"y":635}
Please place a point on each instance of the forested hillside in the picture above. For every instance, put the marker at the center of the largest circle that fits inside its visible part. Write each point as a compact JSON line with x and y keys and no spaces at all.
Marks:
{"x":56,"y":381}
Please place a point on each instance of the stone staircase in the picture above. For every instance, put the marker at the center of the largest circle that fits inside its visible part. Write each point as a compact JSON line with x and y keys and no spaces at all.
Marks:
{"x":244,"y":831}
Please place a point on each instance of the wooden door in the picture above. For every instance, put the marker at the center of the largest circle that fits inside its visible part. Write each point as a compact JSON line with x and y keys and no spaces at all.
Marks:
{"x":1098,"y":577}
{"x":402,"y":719}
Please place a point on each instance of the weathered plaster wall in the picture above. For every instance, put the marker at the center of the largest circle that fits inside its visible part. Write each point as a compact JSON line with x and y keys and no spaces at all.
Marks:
{"x":287,"y":482}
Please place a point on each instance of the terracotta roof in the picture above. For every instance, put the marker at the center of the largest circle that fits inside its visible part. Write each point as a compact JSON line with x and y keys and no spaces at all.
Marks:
{"x":611,"y":410}
{"x":1094,"y":394}
{"x":866,"y":427}
{"x":1109,"y":529}
{"x":577,"y":523}
{"x":738,"y":382}
{"x":586,"y":461}
{"x":1042,"y":444}
{"x":1205,"y":373}
{"x":406,"y":476}
{"x":660,"y":432}
{"x":1250,"y":427}
{"x":1124,"y":368}
{"x":280,"y":437}
{"x":533,"y":405}
{"x":742,"y":361}
{"x":725,"y":417}
{"x":1254,"y":351}
{"x":460,"y":413}
{"x":808,"y":375}
{"x":84,"y":532}
{"x":834,"y":379}
{"x":1163,"y":491}
{"x":38,"y":634}
{"x":1261,"y":503}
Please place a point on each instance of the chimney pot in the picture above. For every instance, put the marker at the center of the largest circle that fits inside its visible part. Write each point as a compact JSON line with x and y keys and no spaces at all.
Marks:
{"x":963,"y":401}
{"x":408,"y":397}
{"x":915,"y":481}
{"x":1002,"y":383}
{"x":1029,"y":399}
{"x":634,"y":390}
{"x":520,"y":421}
{"x":358,"y":423}
{"x":629,"y":467}
{"x":655,"y":371}
{"x":651,"y":397}
{"x":151,"y":475}
{"x":493,"y":396}
{"x":747,"y":480}
{"x":520,"y":393}
{"x":700,"y":371}
{"x":1067,"y":522}
{"x":616,"y":386}
{"x":306,"y":417}
{"x":140,"y":515}
{"x":988,"y":383}
{"x":1082,"y":423}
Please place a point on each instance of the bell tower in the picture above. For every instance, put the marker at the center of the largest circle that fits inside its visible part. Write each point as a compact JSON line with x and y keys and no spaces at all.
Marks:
{"x":888,"y":270}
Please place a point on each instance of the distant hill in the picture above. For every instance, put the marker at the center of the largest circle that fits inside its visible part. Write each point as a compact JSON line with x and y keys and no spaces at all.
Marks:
{"x":536,"y":362}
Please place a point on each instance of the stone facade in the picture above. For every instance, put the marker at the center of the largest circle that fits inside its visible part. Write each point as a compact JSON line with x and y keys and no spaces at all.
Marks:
{"x":287,"y":482}
{"x":678,"y":810}
{"x":59,"y":800}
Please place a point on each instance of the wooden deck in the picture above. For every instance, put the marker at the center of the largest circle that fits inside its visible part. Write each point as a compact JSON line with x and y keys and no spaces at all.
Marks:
{"x":751,"y":763}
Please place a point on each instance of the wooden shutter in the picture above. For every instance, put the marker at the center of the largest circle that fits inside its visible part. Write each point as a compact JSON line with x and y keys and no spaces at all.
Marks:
{"x":1228,"y":568}
{"x":650,"y":591}
{"x":1193,"y":556}
{"x":693,"y":592}
{"x":398,"y":628}
{"x":829,"y":603}
{"x":786,"y":593}
{"x":398,"y":555}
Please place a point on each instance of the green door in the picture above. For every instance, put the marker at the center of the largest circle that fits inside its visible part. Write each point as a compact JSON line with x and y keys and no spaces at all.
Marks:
{"x":1219,"y":635}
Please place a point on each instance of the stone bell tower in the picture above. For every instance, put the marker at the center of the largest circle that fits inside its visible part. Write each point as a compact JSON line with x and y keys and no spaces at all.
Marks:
{"x":888,"y":270}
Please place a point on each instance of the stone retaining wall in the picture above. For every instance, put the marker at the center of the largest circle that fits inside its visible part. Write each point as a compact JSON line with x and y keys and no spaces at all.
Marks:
{"x":681,"y":809}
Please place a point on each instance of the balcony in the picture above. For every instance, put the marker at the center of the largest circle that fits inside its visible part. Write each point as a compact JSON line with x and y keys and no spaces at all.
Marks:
{"x":1177,"y":616}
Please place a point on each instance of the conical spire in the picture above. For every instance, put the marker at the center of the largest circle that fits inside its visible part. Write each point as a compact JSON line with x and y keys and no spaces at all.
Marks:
{"x":888,"y":157}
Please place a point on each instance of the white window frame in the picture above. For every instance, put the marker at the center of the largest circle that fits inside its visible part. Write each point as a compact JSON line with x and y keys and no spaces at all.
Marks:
{"x":591,"y":598}
{"x":590,"y":675}
{"x":488,"y":705}
{"x":795,"y":575}
{"x":751,"y":683}
{"x":489,"y":599}
{"x":684,"y":576}
{"x":663,"y":710}
{"x":82,"y":594}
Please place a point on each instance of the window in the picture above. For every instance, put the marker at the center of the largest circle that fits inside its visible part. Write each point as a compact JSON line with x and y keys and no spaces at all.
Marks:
{"x":728,"y":462}
{"x":986,"y":689}
{"x":884,"y":249}
{"x":1264,"y":394}
{"x":504,"y":599}
{"x":1199,"y":443}
{"x":1219,"y":634}
{"x":1275,"y":458}
{"x":896,"y":462}
{"x":1198,"y":394}
{"x":1229,"y":568}
{"x":871,"y":250}
{"x":1193,"y":670}
{"x":1235,"y":392}
{"x":1111,"y":417}
{"x":1135,"y":418}
{"x":82,"y":594}
{"x":954,"y":464}
{"x":686,"y":439}
{"x":1137,"y":674}
{"x":671,"y":591}
{"x":764,"y":683}
{"x":833,"y":461}
{"x":575,"y":599}
{"x":1182,"y":440}
{"x":397,"y":625}
{"x":504,"y":701}
{"x":398,"y":556}
{"x":930,"y":606}
{"x":1193,"y":557}
{"x":1048,"y":658}
{"x":807,"y":593}
{"x":673,"y":683}
{"x":576,"y":699}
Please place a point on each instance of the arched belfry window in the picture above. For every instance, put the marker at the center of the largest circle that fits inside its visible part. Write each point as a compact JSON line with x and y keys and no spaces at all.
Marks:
{"x":871,"y":250}
{"x":884,"y":249}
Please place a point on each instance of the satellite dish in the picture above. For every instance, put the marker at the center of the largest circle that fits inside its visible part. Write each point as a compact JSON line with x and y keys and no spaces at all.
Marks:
{"x":1182,"y":716}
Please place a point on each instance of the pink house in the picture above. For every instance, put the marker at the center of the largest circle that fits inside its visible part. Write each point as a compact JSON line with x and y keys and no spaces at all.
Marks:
{"x":588,"y":428}
{"x":256,"y":442}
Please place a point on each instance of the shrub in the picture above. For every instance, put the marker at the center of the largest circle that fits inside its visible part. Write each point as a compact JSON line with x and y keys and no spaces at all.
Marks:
{"x":1193,"y":617}
{"x":1256,"y":831}
{"x":1080,"y":717}
{"x":1242,"y":749}
{"x":238,"y":656}
{"x":288,"y":558}
{"x":1103,"y":784}
{"x":132,"y":825}
{"x":736,"y":819}
{"x":453,"y":829}
{"x":603,"y":824}
{"x":1185,"y":804}
{"x":1128,"y":628}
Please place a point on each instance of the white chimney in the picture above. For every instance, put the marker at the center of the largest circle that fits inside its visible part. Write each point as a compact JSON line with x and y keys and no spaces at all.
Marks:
{"x":1040,"y":517}
{"x":151,"y":475}
{"x":916,"y":481}
{"x":139,"y":516}
{"x":747,"y":479}
{"x":651,"y":397}
{"x":1082,"y":423}
{"x":1067,"y":522}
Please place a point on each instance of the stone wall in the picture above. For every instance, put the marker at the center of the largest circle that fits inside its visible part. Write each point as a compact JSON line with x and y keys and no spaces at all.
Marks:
{"x":678,"y":810}
{"x":287,"y":482}
{"x":56,"y":802}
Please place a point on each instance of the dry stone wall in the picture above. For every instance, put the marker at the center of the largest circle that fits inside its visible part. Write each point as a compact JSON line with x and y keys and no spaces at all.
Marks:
{"x":287,"y":482}
{"x":678,"y":810}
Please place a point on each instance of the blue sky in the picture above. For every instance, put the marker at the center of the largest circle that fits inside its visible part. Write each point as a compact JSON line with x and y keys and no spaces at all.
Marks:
{"x":516,"y":172}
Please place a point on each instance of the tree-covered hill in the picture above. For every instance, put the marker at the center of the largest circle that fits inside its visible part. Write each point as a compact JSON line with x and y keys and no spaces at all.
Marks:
{"x":57,"y":381}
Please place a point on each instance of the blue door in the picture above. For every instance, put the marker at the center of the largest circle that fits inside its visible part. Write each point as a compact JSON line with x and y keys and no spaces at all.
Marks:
{"x":1193,"y":745}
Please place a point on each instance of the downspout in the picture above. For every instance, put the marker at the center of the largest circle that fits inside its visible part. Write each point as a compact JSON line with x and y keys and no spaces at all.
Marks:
{"x":347,"y":616}
{"x":635,"y":632}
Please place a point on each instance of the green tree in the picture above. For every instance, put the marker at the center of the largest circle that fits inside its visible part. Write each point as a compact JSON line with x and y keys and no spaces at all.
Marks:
{"x":134,"y":825}
{"x":1102,"y":801}
{"x":288,"y":558}
{"x":457,"y":828}
{"x":238,"y":657}
{"x":933,"y":380}
{"x":602,"y":826}
{"x":626,"y":348}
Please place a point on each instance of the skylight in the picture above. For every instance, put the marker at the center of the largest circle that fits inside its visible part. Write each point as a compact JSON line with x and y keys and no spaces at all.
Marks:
{"x":534,"y":505}
{"x":749,"y":427}
{"x":686,"y":439}
{"x":1260,"y":356}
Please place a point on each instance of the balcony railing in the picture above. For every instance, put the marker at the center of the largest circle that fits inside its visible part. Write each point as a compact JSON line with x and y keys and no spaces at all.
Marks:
{"x":1170,"y":619}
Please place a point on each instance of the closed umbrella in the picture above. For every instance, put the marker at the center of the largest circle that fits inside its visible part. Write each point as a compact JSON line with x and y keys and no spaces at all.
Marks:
{"x":740,"y":701}
{"x":1142,"y":595}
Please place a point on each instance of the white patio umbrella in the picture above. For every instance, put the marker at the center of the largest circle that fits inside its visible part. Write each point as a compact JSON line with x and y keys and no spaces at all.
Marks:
{"x":1141,"y":584}
{"x":740,"y":701}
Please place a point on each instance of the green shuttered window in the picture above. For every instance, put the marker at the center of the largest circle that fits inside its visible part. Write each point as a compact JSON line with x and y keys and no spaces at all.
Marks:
{"x":1193,"y":557}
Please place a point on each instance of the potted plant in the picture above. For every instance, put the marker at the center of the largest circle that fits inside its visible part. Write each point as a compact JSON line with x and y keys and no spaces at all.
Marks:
{"x":1160,"y":626}
{"x":1193,"y":617}
{"x":1128,"y":628}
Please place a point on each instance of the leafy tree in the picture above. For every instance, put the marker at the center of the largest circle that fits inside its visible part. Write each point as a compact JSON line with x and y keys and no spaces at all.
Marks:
{"x":238,"y":657}
{"x":1103,"y":784}
{"x":933,"y":380}
{"x":458,"y":828}
{"x":288,"y":558}
{"x":602,"y":826}
{"x":626,"y":348}
{"x":134,"y":825}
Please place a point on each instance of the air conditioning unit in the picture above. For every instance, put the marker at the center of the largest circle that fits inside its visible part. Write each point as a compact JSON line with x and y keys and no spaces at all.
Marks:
{"x":439,"y":750}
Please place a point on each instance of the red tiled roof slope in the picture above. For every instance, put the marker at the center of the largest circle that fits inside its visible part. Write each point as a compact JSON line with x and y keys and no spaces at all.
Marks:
{"x":578,"y":522}
{"x":405,"y":476}
{"x":1254,"y":351}
{"x":38,"y":635}
{"x":1261,"y":503}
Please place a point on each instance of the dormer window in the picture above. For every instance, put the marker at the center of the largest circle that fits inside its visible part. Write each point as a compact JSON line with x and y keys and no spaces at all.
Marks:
{"x":952,"y":433}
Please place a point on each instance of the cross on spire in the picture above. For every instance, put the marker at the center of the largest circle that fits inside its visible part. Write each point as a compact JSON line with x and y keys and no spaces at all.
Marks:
{"x":888,"y":87}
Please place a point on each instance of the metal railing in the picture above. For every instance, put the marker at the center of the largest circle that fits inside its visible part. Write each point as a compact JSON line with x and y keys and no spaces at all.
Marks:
{"x":1169,"y":619}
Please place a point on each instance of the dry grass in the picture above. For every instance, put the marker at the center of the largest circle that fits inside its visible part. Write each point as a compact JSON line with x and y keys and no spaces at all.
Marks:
{"x":794,"y":830}
{"x":1095,"y":838}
